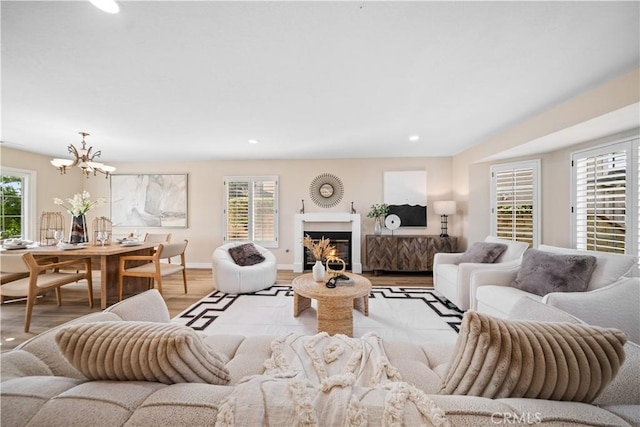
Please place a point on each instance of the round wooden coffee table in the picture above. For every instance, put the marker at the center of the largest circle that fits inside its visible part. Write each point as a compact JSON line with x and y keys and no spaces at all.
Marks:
{"x":335,"y":305}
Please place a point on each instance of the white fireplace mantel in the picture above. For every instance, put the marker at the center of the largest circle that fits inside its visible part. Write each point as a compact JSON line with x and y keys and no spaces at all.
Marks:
{"x":327,"y":217}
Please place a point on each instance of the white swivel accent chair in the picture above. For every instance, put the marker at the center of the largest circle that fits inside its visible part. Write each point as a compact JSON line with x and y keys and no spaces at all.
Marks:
{"x":231,"y":278}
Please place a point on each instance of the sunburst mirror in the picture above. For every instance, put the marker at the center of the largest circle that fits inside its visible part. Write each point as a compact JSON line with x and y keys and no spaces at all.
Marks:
{"x":326,"y":190}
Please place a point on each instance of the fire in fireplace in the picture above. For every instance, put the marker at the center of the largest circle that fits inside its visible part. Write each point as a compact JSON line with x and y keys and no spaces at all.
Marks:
{"x":341,"y":240}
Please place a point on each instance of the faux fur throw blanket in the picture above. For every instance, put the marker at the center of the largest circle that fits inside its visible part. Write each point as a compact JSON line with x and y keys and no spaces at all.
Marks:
{"x":322,"y":380}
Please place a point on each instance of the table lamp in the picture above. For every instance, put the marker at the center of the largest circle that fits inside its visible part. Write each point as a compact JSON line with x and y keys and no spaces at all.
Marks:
{"x":444,"y":209}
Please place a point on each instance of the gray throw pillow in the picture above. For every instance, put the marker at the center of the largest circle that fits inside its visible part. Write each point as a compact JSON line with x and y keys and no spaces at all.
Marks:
{"x":246,"y":254}
{"x":483,"y":252}
{"x":543,"y":272}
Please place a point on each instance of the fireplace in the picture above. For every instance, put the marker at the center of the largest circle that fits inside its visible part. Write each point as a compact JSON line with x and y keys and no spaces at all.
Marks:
{"x":338,"y":221}
{"x":340,"y":240}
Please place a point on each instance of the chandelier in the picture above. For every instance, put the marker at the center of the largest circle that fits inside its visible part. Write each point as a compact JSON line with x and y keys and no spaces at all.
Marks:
{"x":84,"y":159}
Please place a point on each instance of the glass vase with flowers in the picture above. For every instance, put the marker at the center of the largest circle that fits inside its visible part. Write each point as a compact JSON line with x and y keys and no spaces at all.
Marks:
{"x":78,"y":206}
{"x":378,"y":212}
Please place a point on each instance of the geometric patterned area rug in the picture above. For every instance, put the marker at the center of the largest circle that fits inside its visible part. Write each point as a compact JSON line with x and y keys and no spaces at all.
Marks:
{"x":414,"y":314}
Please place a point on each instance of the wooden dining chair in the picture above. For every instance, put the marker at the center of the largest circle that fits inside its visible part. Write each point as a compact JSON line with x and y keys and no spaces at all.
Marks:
{"x":156,"y":267}
{"x":157,"y":237}
{"x":41,"y":276}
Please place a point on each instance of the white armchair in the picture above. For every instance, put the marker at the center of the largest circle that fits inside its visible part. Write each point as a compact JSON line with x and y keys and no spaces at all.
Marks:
{"x":452,"y":280}
{"x":611,"y":298}
{"x":614,"y":306}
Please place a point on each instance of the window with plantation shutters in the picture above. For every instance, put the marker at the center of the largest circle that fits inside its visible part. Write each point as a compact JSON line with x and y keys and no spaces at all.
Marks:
{"x":514,"y":210}
{"x":251,"y":208}
{"x":605,"y":198}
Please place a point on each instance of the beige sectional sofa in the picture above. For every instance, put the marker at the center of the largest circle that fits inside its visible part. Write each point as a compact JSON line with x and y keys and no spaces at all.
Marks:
{"x":41,"y":388}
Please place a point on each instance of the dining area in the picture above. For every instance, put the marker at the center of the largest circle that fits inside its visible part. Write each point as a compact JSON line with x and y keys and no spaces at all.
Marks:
{"x":113,"y":269}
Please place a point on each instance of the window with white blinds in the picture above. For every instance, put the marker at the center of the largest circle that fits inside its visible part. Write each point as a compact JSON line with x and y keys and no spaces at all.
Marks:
{"x":514,"y":210}
{"x":605,"y":201}
{"x":251,"y":209}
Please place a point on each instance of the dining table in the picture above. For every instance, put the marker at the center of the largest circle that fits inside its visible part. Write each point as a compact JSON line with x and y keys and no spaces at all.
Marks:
{"x":106,"y":259}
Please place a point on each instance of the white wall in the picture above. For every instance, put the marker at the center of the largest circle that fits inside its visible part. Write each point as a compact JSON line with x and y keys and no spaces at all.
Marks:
{"x":362,"y":179}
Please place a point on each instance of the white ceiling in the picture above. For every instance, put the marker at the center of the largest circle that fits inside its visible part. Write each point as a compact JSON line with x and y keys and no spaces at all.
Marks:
{"x":196,"y":80}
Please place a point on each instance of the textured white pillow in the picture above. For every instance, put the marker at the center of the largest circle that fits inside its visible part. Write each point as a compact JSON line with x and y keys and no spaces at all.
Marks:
{"x":141,"y":351}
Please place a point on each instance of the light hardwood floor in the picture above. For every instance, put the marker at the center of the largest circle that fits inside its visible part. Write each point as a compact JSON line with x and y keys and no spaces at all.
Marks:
{"x":74,"y":301}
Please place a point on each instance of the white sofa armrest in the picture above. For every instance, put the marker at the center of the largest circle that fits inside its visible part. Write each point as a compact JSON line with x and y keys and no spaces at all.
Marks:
{"x":147,"y":306}
{"x":441,"y":258}
{"x":496,"y":276}
{"x":467,"y":269}
{"x":616,"y":305}
{"x":446,"y":258}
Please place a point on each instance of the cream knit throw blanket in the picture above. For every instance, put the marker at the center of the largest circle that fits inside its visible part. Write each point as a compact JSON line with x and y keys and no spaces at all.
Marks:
{"x":328,"y":381}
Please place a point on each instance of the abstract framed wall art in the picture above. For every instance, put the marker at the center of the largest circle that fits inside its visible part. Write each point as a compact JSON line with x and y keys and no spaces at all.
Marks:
{"x":406,"y":194}
{"x":149,"y":200}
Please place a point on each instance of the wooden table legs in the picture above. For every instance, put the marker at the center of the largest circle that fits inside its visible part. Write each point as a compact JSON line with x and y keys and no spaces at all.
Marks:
{"x":109,"y":277}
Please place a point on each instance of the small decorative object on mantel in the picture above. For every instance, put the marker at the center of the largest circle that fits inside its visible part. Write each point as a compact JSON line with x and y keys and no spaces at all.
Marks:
{"x":320,"y":250}
{"x":78,"y":206}
{"x":353,"y":210}
{"x":378,"y":212}
{"x":302,"y":210}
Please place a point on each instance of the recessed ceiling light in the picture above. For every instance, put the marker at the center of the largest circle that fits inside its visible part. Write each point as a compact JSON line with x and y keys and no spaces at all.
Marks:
{"x":109,"y":6}
{"x":414,"y":138}
{"x":253,"y":141}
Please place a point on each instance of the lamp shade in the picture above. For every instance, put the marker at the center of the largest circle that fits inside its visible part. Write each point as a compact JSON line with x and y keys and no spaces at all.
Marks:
{"x":109,"y":6}
{"x":446,"y":207}
{"x":61,"y":162}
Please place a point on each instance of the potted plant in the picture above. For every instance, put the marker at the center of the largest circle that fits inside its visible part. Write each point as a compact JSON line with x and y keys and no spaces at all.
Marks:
{"x":378,"y":212}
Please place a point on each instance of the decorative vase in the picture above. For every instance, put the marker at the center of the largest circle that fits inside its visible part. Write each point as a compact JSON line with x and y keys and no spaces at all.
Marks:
{"x":377,"y":226}
{"x":318,"y":271}
{"x":78,"y":232}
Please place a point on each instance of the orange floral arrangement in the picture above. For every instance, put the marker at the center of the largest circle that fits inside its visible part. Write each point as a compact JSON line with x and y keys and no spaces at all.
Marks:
{"x":319,"y":250}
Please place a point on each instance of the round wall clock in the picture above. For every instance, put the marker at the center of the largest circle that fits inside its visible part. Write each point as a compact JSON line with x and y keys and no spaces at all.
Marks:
{"x":326,"y":190}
